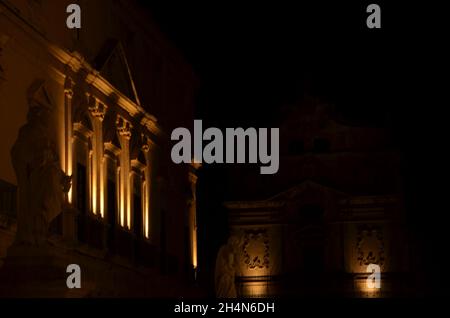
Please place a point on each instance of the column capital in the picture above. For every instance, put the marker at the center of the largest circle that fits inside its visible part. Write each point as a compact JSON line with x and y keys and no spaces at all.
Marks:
{"x":123,"y":127}
{"x":68,"y":87}
{"x":147,"y":143}
{"x":97,"y":109}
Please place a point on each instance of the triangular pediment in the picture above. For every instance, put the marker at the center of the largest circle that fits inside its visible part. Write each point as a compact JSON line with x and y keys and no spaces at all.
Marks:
{"x":306,"y":187}
{"x":113,"y":65}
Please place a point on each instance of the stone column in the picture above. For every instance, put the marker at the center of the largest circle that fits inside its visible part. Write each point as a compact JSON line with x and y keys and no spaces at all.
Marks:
{"x":98,"y":111}
{"x":124,"y":129}
{"x":192,"y":216}
{"x":68,"y":140}
{"x":69,"y":213}
{"x":149,"y":148}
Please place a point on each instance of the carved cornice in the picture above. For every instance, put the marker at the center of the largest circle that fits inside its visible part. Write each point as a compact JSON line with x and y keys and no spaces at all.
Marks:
{"x":73,"y":63}
{"x":151,"y":123}
{"x":254,"y":205}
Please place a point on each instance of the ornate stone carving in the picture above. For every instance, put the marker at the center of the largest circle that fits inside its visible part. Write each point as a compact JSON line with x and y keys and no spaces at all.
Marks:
{"x":79,"y":105}
{"x":370,"y":245}
{"x":68,"y":87}
{"x":227,"y":265}
{"x":256,"y":249}
{"x":123,"y":127}
{"x":97,"y":109}
{"x":145,"y":143}
{"x":41,"y":183}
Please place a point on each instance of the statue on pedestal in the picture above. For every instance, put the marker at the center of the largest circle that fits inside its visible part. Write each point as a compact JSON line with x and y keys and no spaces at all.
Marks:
{"x":227,"y":266}
{"x":41,"y":182}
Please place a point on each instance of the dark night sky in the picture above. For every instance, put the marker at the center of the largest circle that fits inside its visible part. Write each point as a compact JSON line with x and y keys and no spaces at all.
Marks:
{"x":252,"y":59}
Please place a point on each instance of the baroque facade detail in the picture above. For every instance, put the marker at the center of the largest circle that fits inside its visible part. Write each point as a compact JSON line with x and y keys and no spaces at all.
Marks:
{"x":97,"y":109}
{"x":102,"y":139}
{"x":370,"y":245}
{"x":328,"y":228}
{"x":256,"y":249}
{"x":123,"y":127}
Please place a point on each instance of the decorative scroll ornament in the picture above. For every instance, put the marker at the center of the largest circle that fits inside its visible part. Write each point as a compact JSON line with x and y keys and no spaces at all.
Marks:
{"x":256,"y":249}
{"x":97,"y":109}
{"x":370,"y":245}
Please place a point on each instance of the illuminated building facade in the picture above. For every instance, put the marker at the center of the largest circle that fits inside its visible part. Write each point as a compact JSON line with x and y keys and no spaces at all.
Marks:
{"x":116,"y":88}
{"x":334,"y":208}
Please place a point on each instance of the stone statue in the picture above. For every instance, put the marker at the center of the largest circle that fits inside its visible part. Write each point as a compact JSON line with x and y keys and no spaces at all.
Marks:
{"x":41,"y":183}
{"x":227,"y":266}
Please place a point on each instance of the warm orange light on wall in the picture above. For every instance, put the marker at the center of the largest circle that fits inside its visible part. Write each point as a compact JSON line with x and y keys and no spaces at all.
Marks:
{"x":94,"y":194}
{"x":146,"y":208}
{"x":129,"y":204}
{"x":102,"y":188}
{"x":102,"y":203}
{"x":120,"y":197}
{"x":374,"y":279}
{"x":194,"y":248}
{"x":69,"y":172}
{"x":369,"y":284}
{"x":255,"y":289}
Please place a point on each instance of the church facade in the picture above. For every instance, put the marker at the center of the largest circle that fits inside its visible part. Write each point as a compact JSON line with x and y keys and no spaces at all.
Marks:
{"x":114,"y":90}
{"x":334,"y":210}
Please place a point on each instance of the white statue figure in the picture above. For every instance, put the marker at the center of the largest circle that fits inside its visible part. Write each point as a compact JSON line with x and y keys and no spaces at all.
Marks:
{"x":41,"y":183}
{"x":227,"y":267}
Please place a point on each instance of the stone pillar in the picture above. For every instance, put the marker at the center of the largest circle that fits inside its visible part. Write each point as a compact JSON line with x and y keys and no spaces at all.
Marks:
{"x":69,"y":216}
{"x":124,"y":129}
{"x":68,"y":140}
{"x":149,"y":149}
{"x":192,"y":216}
{"x":98,"y":111}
